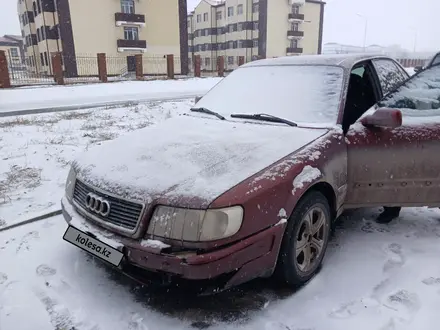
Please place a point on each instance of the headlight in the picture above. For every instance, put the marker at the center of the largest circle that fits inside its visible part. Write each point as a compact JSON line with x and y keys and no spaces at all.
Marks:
{"x":195,"y":225}
{"x":70,"y":183}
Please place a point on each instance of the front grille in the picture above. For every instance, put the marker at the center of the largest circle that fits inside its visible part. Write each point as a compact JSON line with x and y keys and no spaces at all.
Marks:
{"x":123,"y":213}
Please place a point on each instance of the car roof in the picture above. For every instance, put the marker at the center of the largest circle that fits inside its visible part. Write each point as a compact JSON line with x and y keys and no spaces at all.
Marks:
{"x":343,"y":60}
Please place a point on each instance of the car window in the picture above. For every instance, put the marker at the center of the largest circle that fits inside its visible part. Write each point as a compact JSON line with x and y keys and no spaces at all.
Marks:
{"x":359,"y":71}
{"x":389,"y":74}
{"x":436,"y":60}
{"x":420,"y":95}
{"x":300,"y":93}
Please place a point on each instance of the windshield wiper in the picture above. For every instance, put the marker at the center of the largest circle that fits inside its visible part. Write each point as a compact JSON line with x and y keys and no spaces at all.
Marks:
{"x":265,"y":117}
{"x":209,"y":112}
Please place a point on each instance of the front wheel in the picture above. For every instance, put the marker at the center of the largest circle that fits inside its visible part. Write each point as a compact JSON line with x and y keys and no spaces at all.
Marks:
{"x":305,"y":240}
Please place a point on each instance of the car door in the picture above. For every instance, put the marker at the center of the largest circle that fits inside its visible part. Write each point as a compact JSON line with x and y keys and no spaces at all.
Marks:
{"x":400,"y":166}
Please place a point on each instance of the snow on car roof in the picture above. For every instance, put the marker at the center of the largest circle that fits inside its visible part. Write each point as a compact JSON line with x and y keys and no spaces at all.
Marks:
{"x":344,"y":60}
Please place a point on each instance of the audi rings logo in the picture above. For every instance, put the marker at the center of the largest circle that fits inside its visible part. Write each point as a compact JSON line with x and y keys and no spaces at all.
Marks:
{"x":97,"y":204}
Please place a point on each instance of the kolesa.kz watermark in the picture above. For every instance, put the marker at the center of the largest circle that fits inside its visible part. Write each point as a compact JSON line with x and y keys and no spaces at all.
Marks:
{"x":93,"y":246}
{"x":85,"y":241}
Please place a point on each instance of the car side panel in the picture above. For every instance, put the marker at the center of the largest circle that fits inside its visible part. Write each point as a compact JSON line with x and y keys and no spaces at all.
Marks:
{"x":393,"y":167}
{"x":270,"y":195}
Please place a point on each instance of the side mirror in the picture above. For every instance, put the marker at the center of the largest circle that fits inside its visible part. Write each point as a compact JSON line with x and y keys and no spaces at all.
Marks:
{"x":418,"y":68}
{"x":383,"y":117}
{"x":197,"y":99}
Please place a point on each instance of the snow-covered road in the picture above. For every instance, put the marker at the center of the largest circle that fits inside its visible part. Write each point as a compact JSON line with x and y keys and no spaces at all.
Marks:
{"x":18,"y":99}
{"x":375,"y":277}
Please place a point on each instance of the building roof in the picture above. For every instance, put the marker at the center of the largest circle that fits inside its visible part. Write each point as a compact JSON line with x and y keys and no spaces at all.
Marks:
{"x":343,"y":60}
{"x":8,"y":42}
{"x":13,"y":37}
{"x":216,"y":2}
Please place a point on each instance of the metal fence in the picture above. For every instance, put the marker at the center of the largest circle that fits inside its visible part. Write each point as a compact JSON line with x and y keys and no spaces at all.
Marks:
{"x":38,"y":70}
{"x":30,"y":70}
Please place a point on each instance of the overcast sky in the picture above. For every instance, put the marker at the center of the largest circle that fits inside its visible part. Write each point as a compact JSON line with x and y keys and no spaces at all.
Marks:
{"x":389,"y":21}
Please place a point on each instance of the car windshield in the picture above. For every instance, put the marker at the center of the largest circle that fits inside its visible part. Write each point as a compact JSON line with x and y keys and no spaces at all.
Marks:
{"x":302,"y":94}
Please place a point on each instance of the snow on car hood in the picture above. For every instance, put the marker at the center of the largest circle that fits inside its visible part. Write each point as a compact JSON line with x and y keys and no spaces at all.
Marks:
{"x":188,"y":156}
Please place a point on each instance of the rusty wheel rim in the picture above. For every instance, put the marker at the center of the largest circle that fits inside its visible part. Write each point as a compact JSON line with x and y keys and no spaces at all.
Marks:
{"x":310,"y":239}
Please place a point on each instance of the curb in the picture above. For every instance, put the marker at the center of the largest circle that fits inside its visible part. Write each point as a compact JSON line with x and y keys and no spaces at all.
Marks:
{"x":26,"y":222}
{"x":94,"y":105}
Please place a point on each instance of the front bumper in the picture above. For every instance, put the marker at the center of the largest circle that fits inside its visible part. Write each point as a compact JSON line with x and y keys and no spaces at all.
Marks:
{"x":250,"y":258}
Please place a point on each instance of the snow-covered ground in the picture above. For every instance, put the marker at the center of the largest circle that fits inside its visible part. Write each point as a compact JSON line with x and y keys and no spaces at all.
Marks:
{"x":375,"y":277}
{"x":36,"y":150}
{"x":91,"y":94}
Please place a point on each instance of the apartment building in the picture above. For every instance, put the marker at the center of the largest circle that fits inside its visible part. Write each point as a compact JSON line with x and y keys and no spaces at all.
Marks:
{"x":119,"y":28}
{"x":254,"y":29}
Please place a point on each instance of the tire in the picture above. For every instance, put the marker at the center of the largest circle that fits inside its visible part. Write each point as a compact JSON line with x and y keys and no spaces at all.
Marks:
{"x":293,"y":270}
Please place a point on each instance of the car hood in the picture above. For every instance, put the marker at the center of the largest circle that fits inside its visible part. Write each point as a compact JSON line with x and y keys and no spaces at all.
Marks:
{"x":188,"y":158}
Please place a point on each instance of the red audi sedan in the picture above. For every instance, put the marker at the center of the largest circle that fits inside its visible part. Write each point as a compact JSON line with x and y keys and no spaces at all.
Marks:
{"x":249,"y":181}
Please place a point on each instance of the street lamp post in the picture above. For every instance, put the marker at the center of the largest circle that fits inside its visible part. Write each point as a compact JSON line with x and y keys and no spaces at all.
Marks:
{"x":365,"y":31}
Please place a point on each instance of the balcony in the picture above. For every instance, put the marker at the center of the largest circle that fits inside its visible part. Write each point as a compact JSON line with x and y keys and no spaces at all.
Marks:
{"x":132,"y":19}
{"x":293,"y":51}
{"x":128,"y":45}
{"x":295,"y":34}
{"x":296,"y":17}
{"x":297,"y":2}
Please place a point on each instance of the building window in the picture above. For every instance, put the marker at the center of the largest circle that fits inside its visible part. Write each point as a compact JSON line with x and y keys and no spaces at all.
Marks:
{"x":131,"y":33}
{"x":240,"y":27}
{"x":46,"y":60}
{"x":34,"y":7}
{"x":43,"y":32}
{"x":127,"y":6}
{"x":230,"y":60}
{"x":219,"y":15}
{"x":255,"y":25}
{"x":230,"y":44}
{"x":13,"y":52}
{"x":219,"y":31}
{"x":295,"y":26}
{"x":205,"y":17}
{"x":40,"y":7}
{"x":295,"y":9}
{"x":240,"y":44}
{"x":230,"y":11}
{"x":41,"y":59}
{"x":207,"y":61}
{"x":293,"y":43}
{"x":255,"y":43}
{"x":240,"y":10}
{"x":38,"y":35}
{"x":206,"y":32}
{"x":231,"y":28}
{"x":255,"y":7}
{"x":199,"y":18}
